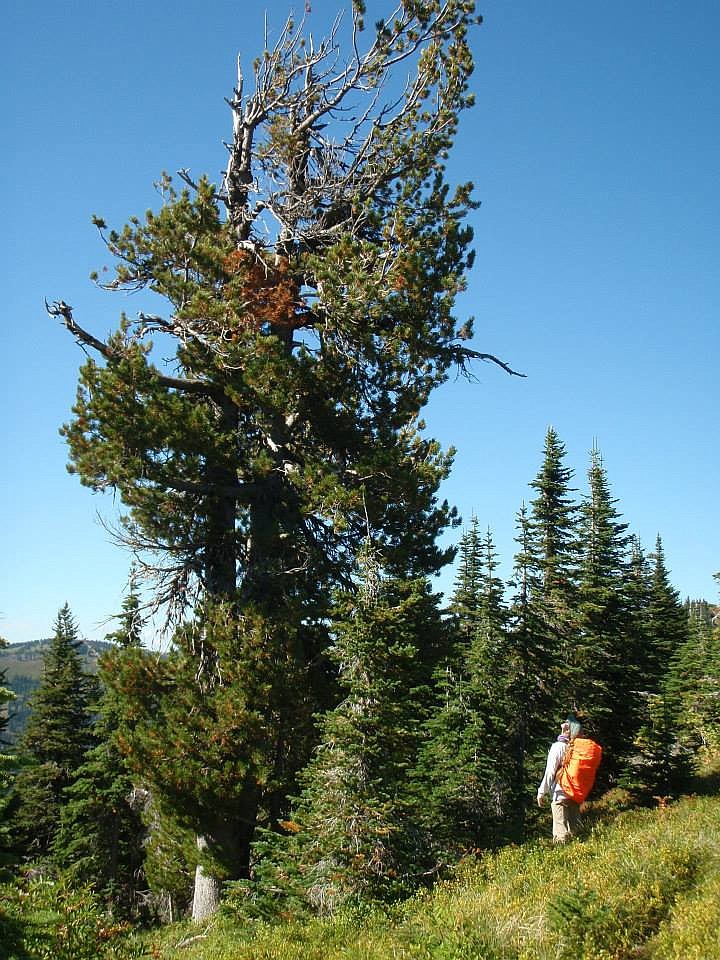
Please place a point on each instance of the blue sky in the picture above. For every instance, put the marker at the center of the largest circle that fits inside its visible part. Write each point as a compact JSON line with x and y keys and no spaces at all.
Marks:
{"x":595,"y":150}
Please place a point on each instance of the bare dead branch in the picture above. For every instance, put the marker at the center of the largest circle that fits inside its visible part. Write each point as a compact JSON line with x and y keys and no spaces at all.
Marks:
{"x":311,"y":191}
{"x":465,"y":353}
{"x":63,"y":310}
{"x":186,"y":941}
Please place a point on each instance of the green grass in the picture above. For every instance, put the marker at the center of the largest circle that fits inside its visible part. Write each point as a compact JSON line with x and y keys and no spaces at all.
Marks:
{"x":646,"y":885}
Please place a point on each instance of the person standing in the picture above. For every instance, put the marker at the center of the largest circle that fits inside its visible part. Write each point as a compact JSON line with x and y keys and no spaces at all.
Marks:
{"x":565,"y":811}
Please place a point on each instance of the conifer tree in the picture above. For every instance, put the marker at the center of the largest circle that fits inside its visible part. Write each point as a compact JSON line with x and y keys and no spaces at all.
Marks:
{"x":490,"y":662}
{"x":463,"y":769}
{"x":667,"y":623}
{"x":219,"y":754}
{"x":637,"y":597}
{"x":551,"y":554}
{"x":169,"y":860}
{"x":661,"y":765}
{"x":356,"y":824}
{"x":100,"y":837}
{"x":6,"y":696}
{"x":8,"y":766}
{"x":55,"y":740}
{"x":605,"y":676}
{"x":694,"y":681}
{"x":468,"y":591}
{"x":530,"y":664}
{"x":286,"y":419}
{"x":543,"y":619}
{"x":553,"y":514}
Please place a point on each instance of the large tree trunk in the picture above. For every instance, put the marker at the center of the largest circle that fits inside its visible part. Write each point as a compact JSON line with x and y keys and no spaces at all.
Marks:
{"x":206,"y":893}
{"x":227,"y":840}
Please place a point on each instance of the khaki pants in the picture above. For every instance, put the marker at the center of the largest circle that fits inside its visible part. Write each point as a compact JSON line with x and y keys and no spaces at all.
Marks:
{"x":566,"y":816}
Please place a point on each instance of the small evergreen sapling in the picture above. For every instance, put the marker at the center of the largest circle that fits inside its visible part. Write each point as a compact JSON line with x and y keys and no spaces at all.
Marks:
{"x":55,"y":741}
{"x":100,"y":837}
{"x":355,"y":831}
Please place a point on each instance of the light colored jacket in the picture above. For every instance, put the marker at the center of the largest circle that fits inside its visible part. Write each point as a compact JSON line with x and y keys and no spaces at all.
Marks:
{"x":548,"y":784}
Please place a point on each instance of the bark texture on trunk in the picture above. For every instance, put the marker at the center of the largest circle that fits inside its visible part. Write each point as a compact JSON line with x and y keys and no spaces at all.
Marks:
{"x":206,"y":893}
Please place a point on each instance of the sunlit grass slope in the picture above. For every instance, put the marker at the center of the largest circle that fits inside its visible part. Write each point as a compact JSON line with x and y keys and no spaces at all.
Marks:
{"x":646,"y":885}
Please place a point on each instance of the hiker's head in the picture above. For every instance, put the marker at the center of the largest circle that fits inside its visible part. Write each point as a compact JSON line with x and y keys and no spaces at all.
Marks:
{"x":574,"y":727}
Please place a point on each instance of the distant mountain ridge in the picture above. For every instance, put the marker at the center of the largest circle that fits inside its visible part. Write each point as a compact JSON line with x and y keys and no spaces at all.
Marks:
{"x":23,"y":665}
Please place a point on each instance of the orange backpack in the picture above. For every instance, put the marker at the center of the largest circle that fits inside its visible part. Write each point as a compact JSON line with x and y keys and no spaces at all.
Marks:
{"x":579,"y":766}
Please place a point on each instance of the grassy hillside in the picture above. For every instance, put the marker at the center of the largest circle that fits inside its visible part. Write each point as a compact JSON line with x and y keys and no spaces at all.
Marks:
{"x":645,"y":885}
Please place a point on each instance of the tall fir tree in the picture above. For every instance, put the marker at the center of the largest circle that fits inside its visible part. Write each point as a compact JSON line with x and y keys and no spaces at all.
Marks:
{"x":286,"y":419}
{"x":6,"y":697}
{"x":466,"y":781}
{"x":55,"y":741}
{"x":543,"y":609}
{"x":660,"y":764}
{"x":694,"y":683}
{"x":468,"y":590}
{"x":100,"y":837}
{"x":356,"y":826}
{"x":553,"y":515}
{"x":530,"y":661}
{"x":8,"y":770}
{"x":637,"y":590}
{"x":553,"y":555}
{"x":667,"y":622}
{"x":605,"y":677}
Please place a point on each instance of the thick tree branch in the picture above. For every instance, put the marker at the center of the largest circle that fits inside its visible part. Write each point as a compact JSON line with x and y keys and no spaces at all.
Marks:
{"x":465,"y":353}
{"x":63,"y":310}
{"x":243,"y":492}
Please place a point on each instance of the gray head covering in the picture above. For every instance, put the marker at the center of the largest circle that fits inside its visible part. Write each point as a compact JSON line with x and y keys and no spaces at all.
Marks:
{"x":575,"y":727}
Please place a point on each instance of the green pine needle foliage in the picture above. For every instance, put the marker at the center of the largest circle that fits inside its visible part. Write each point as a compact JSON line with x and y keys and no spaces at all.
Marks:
{"x":55,"y":741}
{"x":100,"y":837}
{"x":44,"y":919}
{"x":276,"y":418}
{"x":466,"y":775}
{"x":355,"y":832}
{"x":8,"y":771}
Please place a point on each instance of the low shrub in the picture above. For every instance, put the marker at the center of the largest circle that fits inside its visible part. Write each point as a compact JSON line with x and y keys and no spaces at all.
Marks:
{"x":43,"y":919}
{"x":630,"y":899}
{"x":693,"y":928}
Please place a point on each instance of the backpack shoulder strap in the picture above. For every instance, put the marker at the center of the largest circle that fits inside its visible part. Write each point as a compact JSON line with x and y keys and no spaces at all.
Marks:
{"x":562,"y":769}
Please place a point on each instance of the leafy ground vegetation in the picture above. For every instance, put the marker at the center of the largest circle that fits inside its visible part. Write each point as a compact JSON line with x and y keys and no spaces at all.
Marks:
{"x":638,"y":884}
